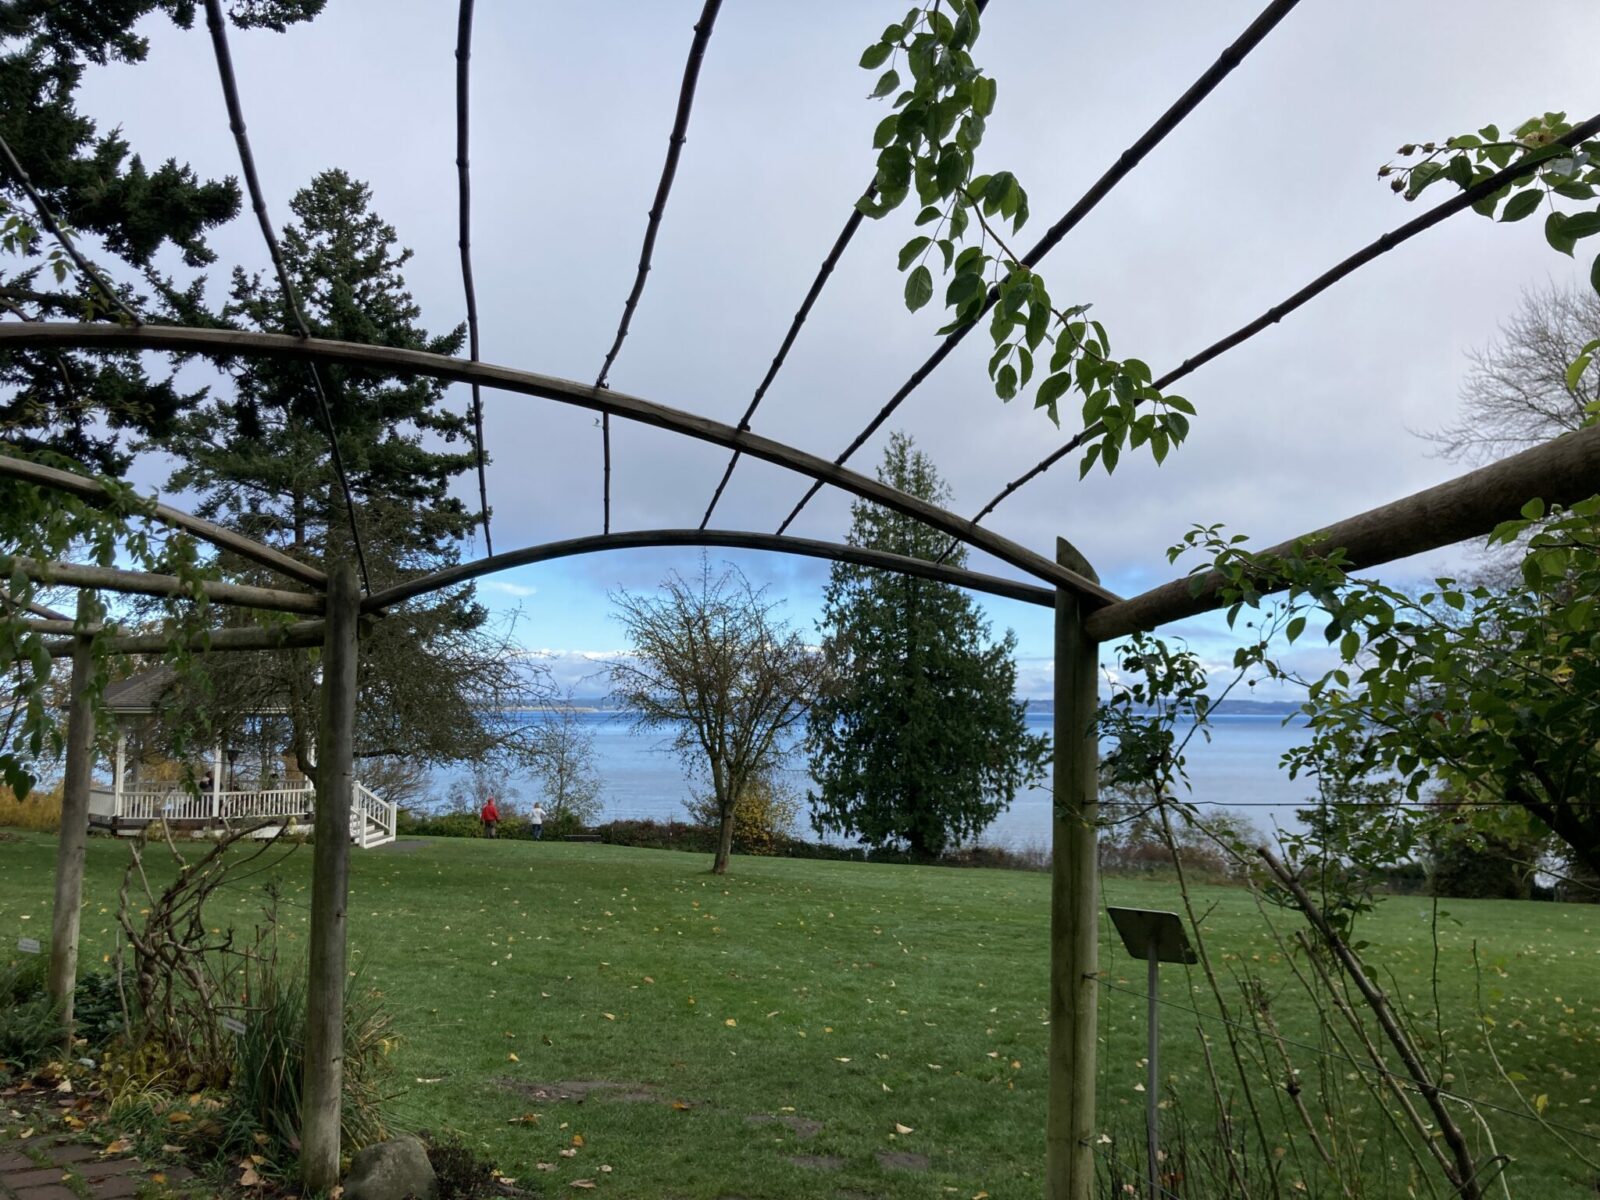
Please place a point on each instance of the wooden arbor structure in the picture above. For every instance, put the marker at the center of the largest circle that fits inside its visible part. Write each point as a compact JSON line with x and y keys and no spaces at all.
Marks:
{"x":1086,"y":615}
{"x":333,"y":608}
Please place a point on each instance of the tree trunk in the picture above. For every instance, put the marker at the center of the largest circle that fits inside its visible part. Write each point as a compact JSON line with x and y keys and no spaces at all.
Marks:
{"x":719,"y":865}
{"x":74,"y":828}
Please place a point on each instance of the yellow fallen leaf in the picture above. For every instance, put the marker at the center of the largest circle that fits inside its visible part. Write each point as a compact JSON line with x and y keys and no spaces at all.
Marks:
{"x":681,"y":1106}
{"x":121,"y":1146}
{"x":577,"y":1139}
{"x":899,"y":1128}
{"x":647,"y":979}
{"x":605,"y":1169}
{"x":178,"y":1118}
{"x":567,"y":1153}
{"x":730,"y":1022}
{"x":512,"y":1058}
{"x":539,"y":1166}
{"x":841,"y":1060}
{"x":609,"y":1016}
{"x":581,"y":1183}
{"x":249,"y":1178}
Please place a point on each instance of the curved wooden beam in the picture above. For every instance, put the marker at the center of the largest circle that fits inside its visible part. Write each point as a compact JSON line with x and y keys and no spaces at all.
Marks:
{"x":142,"y":583}
{"x":1028,"y":593}
{"x":227,"y":343}
{"x":225,"y":539}
{"x":296,"y":636}
{"x":1560,"y":472}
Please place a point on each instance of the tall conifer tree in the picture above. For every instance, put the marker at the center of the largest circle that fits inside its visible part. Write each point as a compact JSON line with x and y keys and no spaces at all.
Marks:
{"x":919,"y":740}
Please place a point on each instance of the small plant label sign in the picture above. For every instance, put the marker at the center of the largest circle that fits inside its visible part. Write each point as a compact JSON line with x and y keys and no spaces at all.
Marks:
{"x":28,"y":945}
{"x":233,"y":1025}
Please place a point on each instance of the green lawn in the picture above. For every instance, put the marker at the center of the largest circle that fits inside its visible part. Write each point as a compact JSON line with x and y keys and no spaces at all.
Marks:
{"x":725,"y":1015}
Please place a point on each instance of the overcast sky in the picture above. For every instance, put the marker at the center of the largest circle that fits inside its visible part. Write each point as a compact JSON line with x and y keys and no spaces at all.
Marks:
{"x":1269,"y":183}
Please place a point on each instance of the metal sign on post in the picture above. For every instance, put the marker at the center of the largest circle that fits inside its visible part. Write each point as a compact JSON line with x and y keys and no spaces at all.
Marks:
{"x":1156,"y":937}
{"x":28,"y":945}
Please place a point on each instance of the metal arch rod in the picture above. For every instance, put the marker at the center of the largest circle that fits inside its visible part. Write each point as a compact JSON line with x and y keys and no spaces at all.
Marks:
{"x":229,"y":343}
{"x":1563,"y":471}
{"x":223,"y":539}
{"x":141,"y":583}
{"x":731,"y":539}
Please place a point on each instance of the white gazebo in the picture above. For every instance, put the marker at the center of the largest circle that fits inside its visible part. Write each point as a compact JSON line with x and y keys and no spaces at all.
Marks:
{"x":225,"y":799}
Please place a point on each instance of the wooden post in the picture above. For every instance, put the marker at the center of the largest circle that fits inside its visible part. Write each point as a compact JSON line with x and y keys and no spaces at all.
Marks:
{"x":74,"y":825}
{"x":216,"y":782}
{"x":1074,"y":901}
{"x":323,"y":1088}
{"x":119,"y":775}
{"x":1152,"y":1087}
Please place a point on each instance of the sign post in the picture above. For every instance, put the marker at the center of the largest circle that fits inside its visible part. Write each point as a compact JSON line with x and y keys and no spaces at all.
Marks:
{"x":1156,"y":937}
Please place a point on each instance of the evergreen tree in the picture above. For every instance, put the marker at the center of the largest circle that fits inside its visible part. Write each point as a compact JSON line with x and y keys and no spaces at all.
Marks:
{"x":435,"y":678}
{"x":76,"y":404}
{"x":918,"y":741}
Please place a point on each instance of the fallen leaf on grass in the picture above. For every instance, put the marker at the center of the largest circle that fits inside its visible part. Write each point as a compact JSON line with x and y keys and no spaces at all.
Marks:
{"x":681,"y":1106}
{"x":605,"y":1168}
{"x":512,"y":1058}
{"x":609,"y":1016}
{"x":249,"y":1178}
{"x":730,"y":1022}
{"x":841,"y":1060}
{"x":539,"y":1166}
{"x":581,"y":1183}
{"x":577,"y":1139}
{"x":121,"y":1146}
{"x":567,"y":1153}
{"x":528,"y":1118}
{"x":899,"y":1128}
{"x":178,"y":1118}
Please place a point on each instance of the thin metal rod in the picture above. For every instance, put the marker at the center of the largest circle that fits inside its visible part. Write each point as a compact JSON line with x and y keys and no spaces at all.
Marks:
{"x":632,"y":539}
{"x":223,"y":539}
{"x":291,"y":299}
{"x":680,"y":129}
{"x":1102,"y":187}
{"x":464,"y":241}
{"x":1152,"y":1087}
{"x":399,"y":361}
{"x":828,"y":263}
{"x":58,"y":231}
{"x":853,"y":223}
{"x":1316,"y":287}
{"x":140,"y":583}
{"x":1563,"y":471}
{"x":297,"y":635}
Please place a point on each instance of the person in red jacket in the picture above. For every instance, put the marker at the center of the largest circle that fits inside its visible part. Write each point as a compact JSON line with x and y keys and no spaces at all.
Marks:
{"x":491,"y":818}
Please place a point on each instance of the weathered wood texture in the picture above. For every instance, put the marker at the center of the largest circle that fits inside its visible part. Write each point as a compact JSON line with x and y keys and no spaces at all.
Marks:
{"x":905,"y":565}
{"x":74,"y":827}
{"x":216,"y":535}
{"x":394,"y":360}
{"x":1471,"y":505}
{"x":323,"y":1083}
{"x":299,"y":635}
{"x":1074,"y":902}
{"x":140,"y":583}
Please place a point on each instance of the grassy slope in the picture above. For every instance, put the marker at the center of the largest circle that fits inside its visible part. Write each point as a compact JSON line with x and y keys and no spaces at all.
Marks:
{"x":857,"y":996}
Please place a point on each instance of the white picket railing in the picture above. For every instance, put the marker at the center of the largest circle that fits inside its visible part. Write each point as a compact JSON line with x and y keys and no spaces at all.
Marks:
{"x":372,"y":818}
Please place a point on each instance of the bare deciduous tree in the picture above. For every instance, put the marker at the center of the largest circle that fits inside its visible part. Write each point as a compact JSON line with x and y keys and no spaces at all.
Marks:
{"x":1515,"y":395}
{"x":715,"y":666}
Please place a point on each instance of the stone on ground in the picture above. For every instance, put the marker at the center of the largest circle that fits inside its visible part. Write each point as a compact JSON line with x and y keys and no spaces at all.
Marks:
{"x":392,"y":1170}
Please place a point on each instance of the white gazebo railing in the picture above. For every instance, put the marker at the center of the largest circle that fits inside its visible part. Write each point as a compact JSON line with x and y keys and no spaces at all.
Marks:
{"x":372,"y":818}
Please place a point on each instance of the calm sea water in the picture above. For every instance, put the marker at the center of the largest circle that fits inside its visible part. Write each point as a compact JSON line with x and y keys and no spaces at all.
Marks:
{"x":642,"y":779}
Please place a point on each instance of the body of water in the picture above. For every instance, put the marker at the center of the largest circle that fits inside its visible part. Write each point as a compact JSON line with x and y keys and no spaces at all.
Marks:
{"x":641,"y":779}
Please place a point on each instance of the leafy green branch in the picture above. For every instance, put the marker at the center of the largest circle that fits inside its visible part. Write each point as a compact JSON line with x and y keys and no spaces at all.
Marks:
{"x":1565,"y":173}
{"x":929,"y":143}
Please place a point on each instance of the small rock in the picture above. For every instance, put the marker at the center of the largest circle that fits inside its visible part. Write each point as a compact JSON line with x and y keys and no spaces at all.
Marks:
{"x":393,"y":1170}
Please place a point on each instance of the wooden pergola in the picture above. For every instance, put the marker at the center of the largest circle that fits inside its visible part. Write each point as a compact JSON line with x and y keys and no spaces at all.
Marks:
{"x":332,"y":605}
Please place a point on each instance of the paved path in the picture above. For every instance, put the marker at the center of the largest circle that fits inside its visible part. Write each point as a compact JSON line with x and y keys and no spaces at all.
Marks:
{"x":52,"y":1168}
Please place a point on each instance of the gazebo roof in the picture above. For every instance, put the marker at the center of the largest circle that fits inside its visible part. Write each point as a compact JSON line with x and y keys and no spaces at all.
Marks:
{"x":140,"y":692}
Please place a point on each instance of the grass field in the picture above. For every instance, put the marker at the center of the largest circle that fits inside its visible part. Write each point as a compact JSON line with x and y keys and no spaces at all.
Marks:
{"x":764,"y":1034}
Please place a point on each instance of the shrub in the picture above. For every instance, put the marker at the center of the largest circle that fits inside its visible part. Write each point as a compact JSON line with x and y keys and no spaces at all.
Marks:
{"x":763,"y":816}
{"x":30,"y":1026}
{"x":38,"y":811}
{"x":462,"y":1175}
